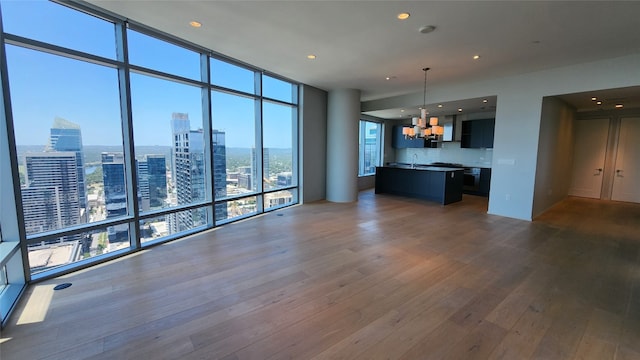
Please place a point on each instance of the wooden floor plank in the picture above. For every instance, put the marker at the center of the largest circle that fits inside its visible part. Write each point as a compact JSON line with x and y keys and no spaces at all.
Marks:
{"x":595,"y":348}
{"x":407,"y":331}
{"x":479,"y":343}
{"x":357,"y":281}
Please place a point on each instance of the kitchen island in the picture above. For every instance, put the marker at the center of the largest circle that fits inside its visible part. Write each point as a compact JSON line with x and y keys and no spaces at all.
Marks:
{"x":440,"y":184}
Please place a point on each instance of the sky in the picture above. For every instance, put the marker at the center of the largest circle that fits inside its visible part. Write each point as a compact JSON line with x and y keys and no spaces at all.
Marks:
{"x":45,"y":86}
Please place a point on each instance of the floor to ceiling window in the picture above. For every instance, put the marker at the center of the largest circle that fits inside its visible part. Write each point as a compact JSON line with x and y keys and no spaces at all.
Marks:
{"x":123,"y":137}
{"x":170,"y":154}
{"x":63,"y":146}
{"x":12,"y":274}
{"x":236,"y":149}
{"x":280,"y":179}
{"x":370,"y":147}
{"x":12,"y":271}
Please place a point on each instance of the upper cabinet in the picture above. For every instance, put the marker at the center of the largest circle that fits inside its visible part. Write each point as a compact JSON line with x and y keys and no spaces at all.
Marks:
{"x":477,"y":133}
{"x":399,"y":141}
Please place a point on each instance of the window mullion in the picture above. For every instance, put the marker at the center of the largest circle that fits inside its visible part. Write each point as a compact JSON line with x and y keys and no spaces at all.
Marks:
{"x":259,"y":150}
{"x":131,"y":170}
{"x":207,"y":127}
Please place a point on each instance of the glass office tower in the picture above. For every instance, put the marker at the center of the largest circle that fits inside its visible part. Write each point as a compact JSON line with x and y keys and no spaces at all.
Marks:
{"x":156,"y":180}
{"x":220,"y":172}
{"x":188,"y":172}
{"x":66,"y":136}
{"x":50,"y":195}
{"x":115,"y":194}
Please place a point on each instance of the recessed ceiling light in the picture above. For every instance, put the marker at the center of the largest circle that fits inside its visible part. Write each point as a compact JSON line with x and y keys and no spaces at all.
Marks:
{"x":459,"y":109}
{"x":476,"y":57}
{"x":485,"y":100}
{"x":403,"y":16}
{"x":599,"y":102}
{"x":619,"y":106}
{"x":594,"y":98}
{"x":388,"y":78}
{"x":195,"y":24}
{"x":401,"y":110}
{"x":311,"y":57}
{"x":439,"y":105}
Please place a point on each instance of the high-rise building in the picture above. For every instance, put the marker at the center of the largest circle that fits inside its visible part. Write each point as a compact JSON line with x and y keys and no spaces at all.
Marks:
{"x":66,"y":136}
{"x":220,"y":172}
{"x":142,"y":172}
{"x":284,"y":179}
{"x":115,"y":194}
{"x":244,"y":177}
{"x":278,"y":198}
{"x":152,"y":181}
{"x":157,"y":180}
{"x":188,"y":172}
{"x":255,"y":176}
{"x":50,"y":196}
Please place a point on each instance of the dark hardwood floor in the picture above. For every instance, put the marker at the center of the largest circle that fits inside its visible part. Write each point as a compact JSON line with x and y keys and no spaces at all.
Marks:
{"x":384,"y":278}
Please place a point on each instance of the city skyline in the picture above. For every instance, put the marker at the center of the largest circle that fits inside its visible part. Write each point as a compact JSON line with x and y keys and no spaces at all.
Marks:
{"x":52,"y":191}
{"x":70,"y":126}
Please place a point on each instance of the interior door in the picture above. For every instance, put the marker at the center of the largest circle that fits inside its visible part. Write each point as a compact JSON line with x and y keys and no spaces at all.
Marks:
{"x":590,"y":145}
{"x":626,"y":178}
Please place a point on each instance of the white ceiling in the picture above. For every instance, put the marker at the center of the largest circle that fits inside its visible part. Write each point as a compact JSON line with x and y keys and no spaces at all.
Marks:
{"x":360,"y":43}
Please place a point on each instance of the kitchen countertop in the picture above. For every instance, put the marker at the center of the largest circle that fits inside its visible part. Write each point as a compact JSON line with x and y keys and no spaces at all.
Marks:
{"x":424,"y":167}
{"x":434,"y":165}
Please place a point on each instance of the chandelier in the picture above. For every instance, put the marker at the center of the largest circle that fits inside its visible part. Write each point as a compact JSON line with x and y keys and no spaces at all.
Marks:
{"x":420,"y":126}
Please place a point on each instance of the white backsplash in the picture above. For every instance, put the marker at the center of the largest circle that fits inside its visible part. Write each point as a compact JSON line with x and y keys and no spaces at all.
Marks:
{"x":450,"y":152}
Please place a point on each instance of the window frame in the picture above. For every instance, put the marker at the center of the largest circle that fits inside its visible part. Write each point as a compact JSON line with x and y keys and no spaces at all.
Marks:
{"x":135,"y":216}
{"x":362,"y":144}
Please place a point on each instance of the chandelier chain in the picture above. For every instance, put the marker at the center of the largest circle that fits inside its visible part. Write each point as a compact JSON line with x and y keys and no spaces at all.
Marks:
{"x":424,"y":94}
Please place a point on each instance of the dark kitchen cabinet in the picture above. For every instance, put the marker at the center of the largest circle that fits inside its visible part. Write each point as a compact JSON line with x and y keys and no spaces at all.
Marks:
{"x":398,"y":140}
{"x":477,"y":133}
{"x":479,"y":185}
{"x":438,"y":184}
{"x":485,"y":181}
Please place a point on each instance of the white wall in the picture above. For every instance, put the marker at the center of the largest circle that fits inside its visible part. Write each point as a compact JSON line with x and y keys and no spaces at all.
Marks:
{"x":313,"y":144}
{"x":555,"y":154}
{"x":518,"y":114}
{"x":515,"y":150}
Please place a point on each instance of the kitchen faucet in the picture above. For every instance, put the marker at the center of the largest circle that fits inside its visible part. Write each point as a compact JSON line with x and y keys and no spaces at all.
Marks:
{"x":415,"y":159}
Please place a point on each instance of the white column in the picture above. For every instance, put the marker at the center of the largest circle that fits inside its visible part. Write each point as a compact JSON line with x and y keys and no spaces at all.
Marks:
{"x":343,"y":116}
